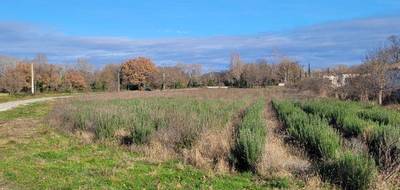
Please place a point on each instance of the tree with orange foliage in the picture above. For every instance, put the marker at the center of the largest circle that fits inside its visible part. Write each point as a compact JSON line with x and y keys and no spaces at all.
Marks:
{"x":48,"y":77}
{"x":24,"y":70}
{"x":74,"y":80}
{"x":13,"y":80}
{"x":137,"y":72}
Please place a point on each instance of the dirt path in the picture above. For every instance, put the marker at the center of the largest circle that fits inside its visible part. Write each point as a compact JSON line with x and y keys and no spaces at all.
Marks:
{"x":10,"y":105}
{"x":280,"y":159}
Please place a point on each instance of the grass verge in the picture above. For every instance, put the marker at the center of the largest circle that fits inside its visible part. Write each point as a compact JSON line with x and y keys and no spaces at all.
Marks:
{"x":35,"y":110}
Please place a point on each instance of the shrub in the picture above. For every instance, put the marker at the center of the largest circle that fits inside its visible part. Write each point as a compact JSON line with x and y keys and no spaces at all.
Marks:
{"x":351,"y":125}
{"x":341,"y":114}
{"x":251,"y":137}
{"x":140,"y":135}
{"x":384,"y":146}
{"x":355,"y":119}
{"x":380,"y":115}
{"x":350,"y":171}
{"x":312,"y":132}
{"x":106,"y":124}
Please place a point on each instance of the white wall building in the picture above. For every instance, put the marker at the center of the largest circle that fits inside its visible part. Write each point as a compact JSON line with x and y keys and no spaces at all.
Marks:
{"x":339,"y":80}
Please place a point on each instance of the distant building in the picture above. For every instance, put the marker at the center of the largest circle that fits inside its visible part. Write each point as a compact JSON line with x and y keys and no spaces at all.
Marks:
{"x":216,"y":87}
{"x":281,"y":84}
{"x":339,"y":80}
{"x":393,"y":77}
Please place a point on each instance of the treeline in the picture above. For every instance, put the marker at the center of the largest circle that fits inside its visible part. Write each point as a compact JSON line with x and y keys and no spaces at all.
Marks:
{"x":141,"y":74}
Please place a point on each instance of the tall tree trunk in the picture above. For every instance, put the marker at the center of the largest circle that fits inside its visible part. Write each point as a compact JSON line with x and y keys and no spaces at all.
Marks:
{"x":380,"y":95}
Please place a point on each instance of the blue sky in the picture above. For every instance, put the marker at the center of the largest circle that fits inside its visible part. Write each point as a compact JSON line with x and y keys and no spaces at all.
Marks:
{"x":323,"y":33}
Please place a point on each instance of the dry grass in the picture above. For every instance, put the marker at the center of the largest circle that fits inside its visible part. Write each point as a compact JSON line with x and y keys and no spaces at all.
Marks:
{"x":280,"y":159}
{"x":212,"y":151}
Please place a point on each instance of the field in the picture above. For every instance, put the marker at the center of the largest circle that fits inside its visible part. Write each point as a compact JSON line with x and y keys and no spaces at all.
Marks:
{"x":199,"y":139}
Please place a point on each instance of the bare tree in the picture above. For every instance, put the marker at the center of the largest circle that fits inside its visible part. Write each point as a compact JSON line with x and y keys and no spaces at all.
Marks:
{"x":108,"y":77}
{"x":289,"y":71}
{"x":236,"y":66}
{"x":40,"y":58}
{"x":394,"y":49}
{"x":379,"y":63}
{"x":193,"y":71}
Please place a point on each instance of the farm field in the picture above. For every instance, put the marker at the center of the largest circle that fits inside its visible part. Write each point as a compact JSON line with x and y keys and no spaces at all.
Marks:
{"x":199,"y":139}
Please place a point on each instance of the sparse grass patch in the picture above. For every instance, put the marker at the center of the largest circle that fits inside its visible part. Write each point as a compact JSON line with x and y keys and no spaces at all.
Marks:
{"x":35,"y":110}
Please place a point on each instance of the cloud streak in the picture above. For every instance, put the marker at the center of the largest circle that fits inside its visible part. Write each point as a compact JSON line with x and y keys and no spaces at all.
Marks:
{"x":322,"y":45}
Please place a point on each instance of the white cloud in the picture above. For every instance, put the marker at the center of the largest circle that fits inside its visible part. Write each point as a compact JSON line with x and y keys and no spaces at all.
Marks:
{"x":321,"y":45}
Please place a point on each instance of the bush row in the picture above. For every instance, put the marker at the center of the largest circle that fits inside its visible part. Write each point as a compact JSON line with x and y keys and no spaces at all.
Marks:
{"x":355,"y":119}
{"x":380,"y":115}
{"x":312,"y":132}
{"x":250,"y":137}
{"x":341,"y":114}
{"x":349,"y":170}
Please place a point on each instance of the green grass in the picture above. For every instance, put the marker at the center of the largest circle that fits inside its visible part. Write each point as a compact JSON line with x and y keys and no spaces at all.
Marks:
{"x":35,"y":110}
{"x":54,"y":161}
